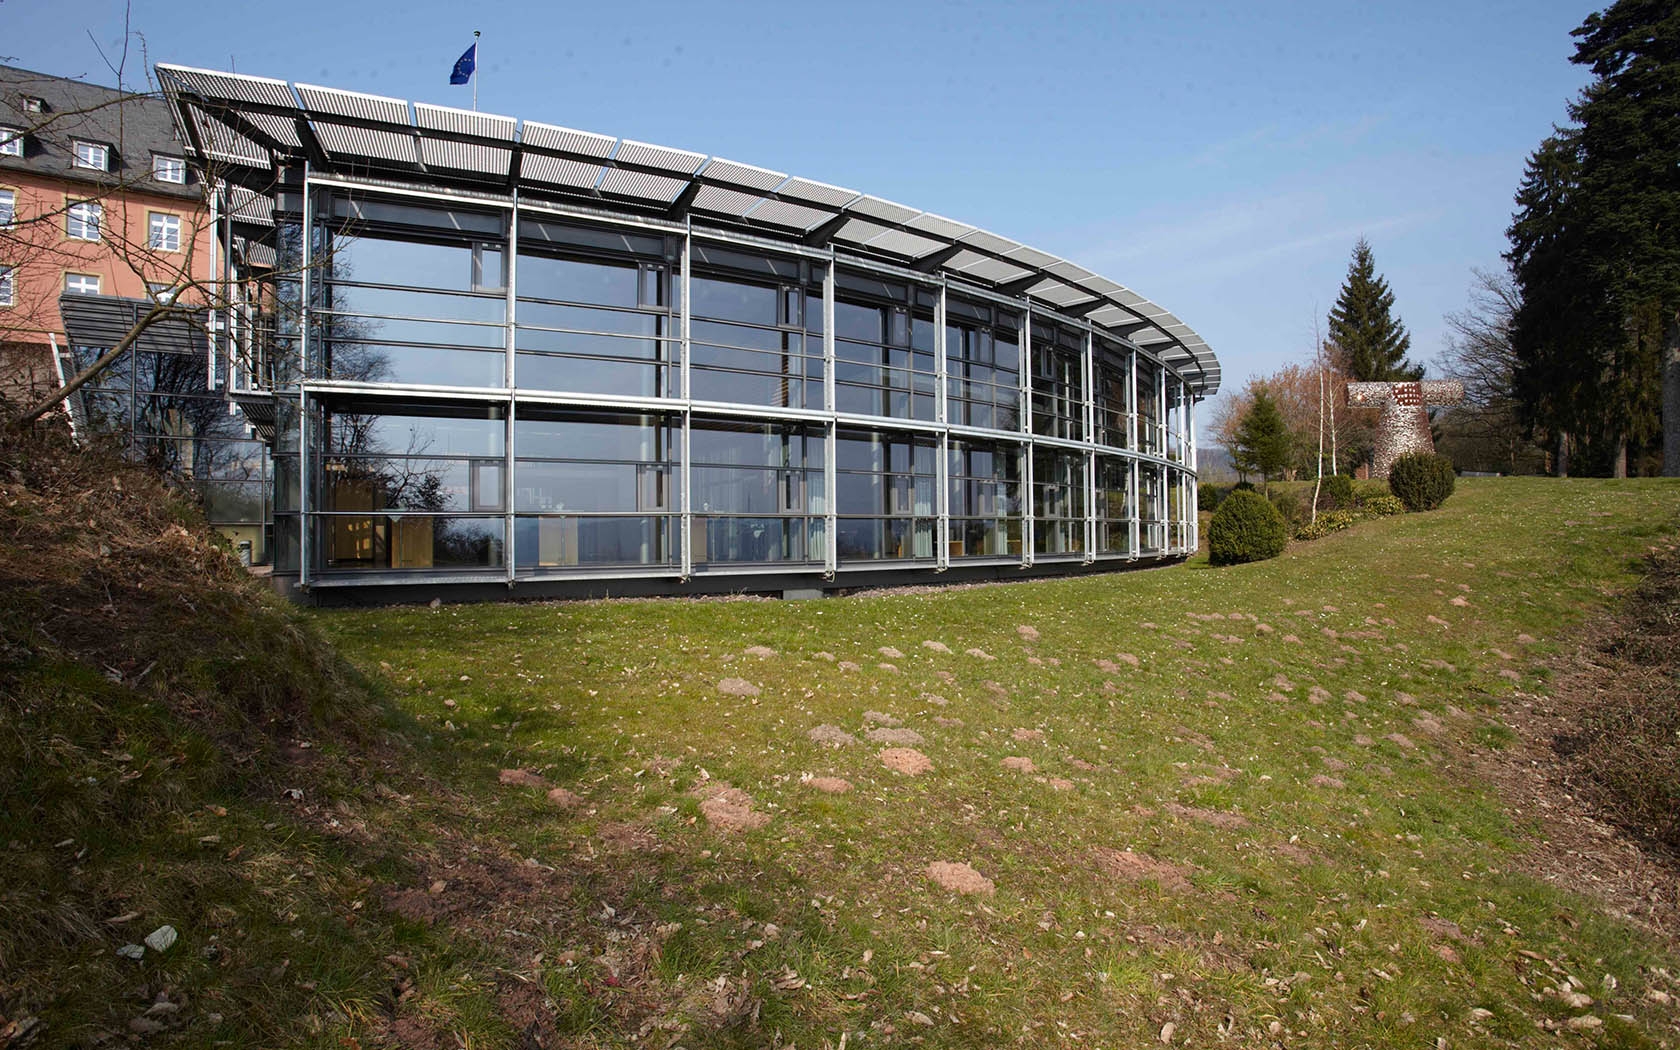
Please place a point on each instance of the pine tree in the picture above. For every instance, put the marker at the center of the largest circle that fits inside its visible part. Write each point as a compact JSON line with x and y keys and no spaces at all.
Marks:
{"x":1594,"y":254}
{"x":1371,"y":343}
{"x":1263,"y":442}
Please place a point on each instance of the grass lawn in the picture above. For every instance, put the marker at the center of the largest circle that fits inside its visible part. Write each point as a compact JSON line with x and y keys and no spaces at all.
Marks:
{"x":1240,"y":806}
{"x":1245,"y":814}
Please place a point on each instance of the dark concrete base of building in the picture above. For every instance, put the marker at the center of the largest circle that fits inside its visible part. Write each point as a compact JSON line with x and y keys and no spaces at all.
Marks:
{"x":373,"y":590}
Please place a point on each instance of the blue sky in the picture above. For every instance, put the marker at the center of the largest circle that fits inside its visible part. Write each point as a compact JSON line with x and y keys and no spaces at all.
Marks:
{"x":1219,"y":159}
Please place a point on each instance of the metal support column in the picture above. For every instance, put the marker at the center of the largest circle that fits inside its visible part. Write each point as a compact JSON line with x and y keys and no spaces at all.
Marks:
{"x":687,"y":501}
{"x":218,"y":300}
{"x":1090,"y":370}
{"x":303,"y":386}
{"x":1132,"y":443}
{"x":1161,"y":411}
{"x":1194,"y":507}
{"x":511,"y":278}
{"x":942,"y":496}
{"x":1027,"y":537}
{"x":831,"y":521}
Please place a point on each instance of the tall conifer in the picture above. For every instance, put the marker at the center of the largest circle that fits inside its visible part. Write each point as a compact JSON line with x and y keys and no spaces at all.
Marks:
{"x":1371,"y":343}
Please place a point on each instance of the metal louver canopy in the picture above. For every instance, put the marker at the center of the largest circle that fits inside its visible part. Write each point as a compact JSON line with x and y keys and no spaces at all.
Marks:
{"x":251,"y":123}
{"x":101,"y":321}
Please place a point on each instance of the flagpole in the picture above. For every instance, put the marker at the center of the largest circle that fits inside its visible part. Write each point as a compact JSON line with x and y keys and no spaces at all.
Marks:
{"x":477,"y":57}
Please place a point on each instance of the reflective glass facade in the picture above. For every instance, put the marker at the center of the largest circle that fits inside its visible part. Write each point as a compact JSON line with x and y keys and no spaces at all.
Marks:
{"x":164,"y":410}
{"x":471,"y":391}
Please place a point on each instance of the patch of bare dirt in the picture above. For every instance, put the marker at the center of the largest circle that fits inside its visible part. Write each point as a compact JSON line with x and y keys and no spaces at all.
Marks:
{"x":833,"y":736}
{"x":960,"y":878}
{"x":520,"y":778}
{"x":831,"y":785}
{"x":737,"y":687}
{"x":470,"y":890}
{"x":626,"y":837}
{"x":564,"y":798}
{"x":1606,"y":693}
{"x":1129,"y":867}
{"x":729,"y":809}
{"x":1020,"y":764}
{"x":906,"y":760}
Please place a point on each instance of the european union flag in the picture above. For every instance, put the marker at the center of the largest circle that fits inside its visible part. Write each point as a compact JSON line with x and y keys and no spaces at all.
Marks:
{"x":464,"y":66}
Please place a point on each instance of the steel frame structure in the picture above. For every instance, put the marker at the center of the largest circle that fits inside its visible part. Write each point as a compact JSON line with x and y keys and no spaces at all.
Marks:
{"x":243,"y":130}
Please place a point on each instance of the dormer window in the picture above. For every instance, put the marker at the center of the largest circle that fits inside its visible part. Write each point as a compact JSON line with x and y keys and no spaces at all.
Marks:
{"x":11,"y":142}
{"x":169,"y":169}
{"x":94,"y":155}
{"x":31,"y":104}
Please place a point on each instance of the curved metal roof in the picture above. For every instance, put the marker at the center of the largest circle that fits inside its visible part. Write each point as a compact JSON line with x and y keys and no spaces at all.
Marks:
{"x":246,"y":121}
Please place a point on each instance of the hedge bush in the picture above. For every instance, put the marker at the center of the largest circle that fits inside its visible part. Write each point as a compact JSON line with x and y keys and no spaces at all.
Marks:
{"x":1289,"y":507}
{"x":1421,"y":480}
{"x":1383,"y":505}
{"x":1245,"y":528}
{"x":1336,"y":492}
{"x":1328,"y":521}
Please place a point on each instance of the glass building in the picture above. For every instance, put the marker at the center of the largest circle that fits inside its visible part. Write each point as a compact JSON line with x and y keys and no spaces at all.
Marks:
{"x":491,"y":354}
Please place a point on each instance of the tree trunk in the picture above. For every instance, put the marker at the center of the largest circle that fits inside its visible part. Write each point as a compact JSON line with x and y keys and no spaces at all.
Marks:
{"x":1671,"y":399}
{"x":1618,"y":466}
{"x":1563,"y":454}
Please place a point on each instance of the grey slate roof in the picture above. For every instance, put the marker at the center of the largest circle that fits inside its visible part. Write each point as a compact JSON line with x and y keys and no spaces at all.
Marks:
{"x":133,"y":125}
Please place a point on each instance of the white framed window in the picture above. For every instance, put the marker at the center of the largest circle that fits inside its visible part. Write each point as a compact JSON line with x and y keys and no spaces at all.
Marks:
{"x":31,"y":104}
{"x":169,"y":169}
{"x":11,"y":142}
{"x":8,"y":207}
{"x":164,"y":231}
{"x":82,"y":283}
{"x":160,"y":291}
{"x":82,"y":220}
{"x":95,"y":155}
{"x":8,"y":285}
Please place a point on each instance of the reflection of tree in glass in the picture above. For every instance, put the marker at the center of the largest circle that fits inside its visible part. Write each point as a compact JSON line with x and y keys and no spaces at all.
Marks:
{"x":398,"y":479}
{"x":346,"y":352}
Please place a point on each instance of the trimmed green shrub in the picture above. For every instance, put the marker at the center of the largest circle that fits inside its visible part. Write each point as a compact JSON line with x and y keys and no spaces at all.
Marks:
{"x":1328,"y":521}
{"x":1383,"y":505}
{"x":1336,"y":492}
{"x":1421,"y":480}
{"x":1245,"y":528}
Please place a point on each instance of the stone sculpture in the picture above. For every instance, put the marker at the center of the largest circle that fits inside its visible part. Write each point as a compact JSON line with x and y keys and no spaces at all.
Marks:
{"x":1404,"y":424}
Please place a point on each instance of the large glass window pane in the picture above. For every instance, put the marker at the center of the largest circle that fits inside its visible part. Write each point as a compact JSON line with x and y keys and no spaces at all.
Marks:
{"x":578,"y":281}
{"x":557,"y":542}
{"x":719,"y":298}
{"x":590,"y":462}
{"x":425,"y":365}
{"x":402,"y":302}
{"x":418,"y":431}
{"x":1058,"y":501}
{"x":419,"y":542}
{"x":357,"y":483}
{"x":382,"y":260}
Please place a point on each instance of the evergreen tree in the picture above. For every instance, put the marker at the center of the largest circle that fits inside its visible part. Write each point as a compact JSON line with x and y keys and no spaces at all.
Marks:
{"x":1593,"y":251}
{"x":1371,"y":343}
{"x":1263,"y":443}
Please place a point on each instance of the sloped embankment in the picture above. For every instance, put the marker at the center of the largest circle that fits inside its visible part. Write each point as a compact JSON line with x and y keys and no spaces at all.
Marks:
{"x":151,"y":693}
